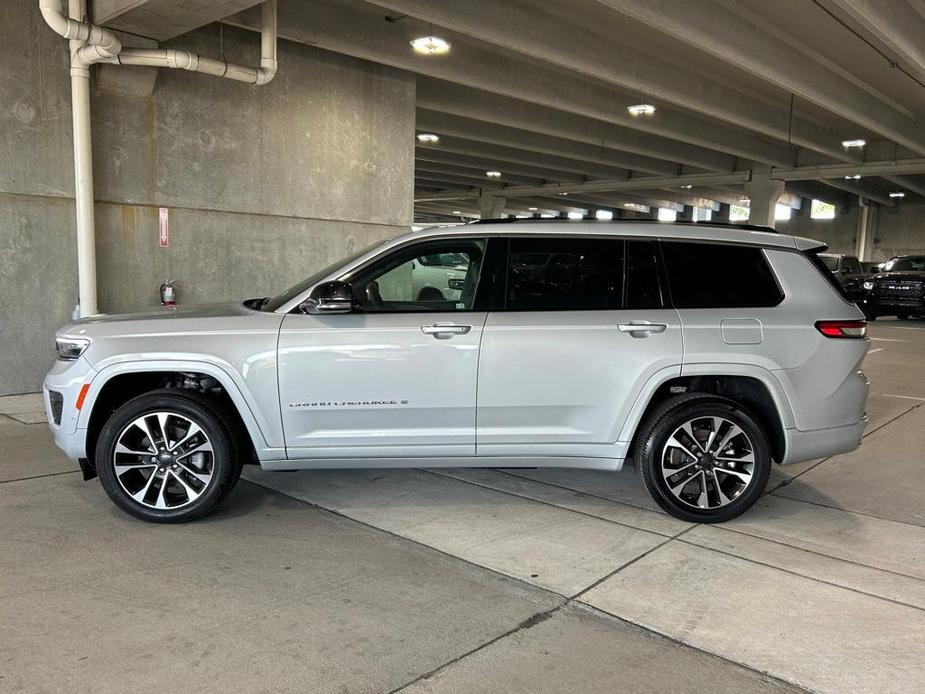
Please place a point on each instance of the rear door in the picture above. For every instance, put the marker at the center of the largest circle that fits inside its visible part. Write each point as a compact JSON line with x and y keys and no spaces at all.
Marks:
{"x":579,"y":327}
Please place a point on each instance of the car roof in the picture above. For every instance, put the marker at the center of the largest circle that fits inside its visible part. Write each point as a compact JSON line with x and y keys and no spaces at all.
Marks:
{"x":701,"y":231}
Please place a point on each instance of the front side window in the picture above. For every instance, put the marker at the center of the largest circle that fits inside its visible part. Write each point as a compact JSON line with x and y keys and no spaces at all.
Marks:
{"x":437,"y":275}
{"x":564,"y":274}
{"x":716,"y":275}
{"x":908,"y":264}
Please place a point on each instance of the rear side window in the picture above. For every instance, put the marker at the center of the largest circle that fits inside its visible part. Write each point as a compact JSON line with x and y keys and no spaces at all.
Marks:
{"x":564,"y":274}
{"x":714,"y":275}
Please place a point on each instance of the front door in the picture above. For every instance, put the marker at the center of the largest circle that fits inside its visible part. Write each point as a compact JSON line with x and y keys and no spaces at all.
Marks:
{"x":396,"y":377}
{"x":581,"y":331}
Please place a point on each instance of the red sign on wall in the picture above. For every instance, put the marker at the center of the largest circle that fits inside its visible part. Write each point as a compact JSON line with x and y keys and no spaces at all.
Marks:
{"x":163,"y":228}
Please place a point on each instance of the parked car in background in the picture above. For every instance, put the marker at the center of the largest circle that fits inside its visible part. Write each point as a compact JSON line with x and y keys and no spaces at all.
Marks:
{"x":871,"y":267}
{"x":897,"y":290}
{"x":847,"y":269}
{"x":577,"y":345}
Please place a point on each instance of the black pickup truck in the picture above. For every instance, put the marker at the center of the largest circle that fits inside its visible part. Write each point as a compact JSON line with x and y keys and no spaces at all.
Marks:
{"x":897,"y":290}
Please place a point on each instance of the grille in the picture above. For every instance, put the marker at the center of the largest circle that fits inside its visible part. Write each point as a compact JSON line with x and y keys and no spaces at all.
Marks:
{"x":903,"y":288}
{"x":56,"y":400}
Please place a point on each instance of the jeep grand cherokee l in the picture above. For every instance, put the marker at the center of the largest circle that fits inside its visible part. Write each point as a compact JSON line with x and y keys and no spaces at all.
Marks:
{"x":620,"y":346}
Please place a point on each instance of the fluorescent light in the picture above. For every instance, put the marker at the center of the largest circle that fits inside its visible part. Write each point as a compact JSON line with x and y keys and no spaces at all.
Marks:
{"x":641,"y":109}
{"x":575,"y":215}
{"x":687,"y":187}
{"x":604,"y":215}
{"x":428,"y":138}
{"x":853,"y":177}
{"x":563,"y":193}
{"x":456,"y":212}
{"x":430,"y":45}
{"x":853,"y":143}
{"x":897,"y":194}
{"x":533,"y":209}
{"x":493,"y":174}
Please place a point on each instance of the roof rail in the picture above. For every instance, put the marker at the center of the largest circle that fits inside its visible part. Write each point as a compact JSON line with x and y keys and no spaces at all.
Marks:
{"x":727,"y":225}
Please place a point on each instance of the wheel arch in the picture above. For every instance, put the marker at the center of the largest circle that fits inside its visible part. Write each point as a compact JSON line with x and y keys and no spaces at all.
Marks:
{"x":757,"y":390}
{"x":117,"y":384}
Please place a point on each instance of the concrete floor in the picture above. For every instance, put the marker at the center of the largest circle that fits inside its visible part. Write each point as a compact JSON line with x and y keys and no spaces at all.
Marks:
{"x":476,"y":580}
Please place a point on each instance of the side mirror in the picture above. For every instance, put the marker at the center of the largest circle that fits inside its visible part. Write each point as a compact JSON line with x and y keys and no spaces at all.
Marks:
{"x":329,"y":297}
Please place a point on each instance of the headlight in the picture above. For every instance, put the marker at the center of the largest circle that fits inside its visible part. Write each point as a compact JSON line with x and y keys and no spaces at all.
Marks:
{"x":70,"y":348}
{"x":867,"y":285}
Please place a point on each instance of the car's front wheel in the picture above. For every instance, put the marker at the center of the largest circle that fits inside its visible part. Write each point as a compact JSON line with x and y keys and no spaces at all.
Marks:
{"x":168,"y":456}
{"x":703,"y":458}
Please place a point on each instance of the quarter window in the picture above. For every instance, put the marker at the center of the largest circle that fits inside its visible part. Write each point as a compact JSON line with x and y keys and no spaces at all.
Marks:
{"x":708,"y":275}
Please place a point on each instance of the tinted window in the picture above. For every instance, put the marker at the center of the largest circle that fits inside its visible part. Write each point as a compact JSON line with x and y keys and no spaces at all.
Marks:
{"x":713,"y":275}
{"x":831,"y":261}
{"x":852,"y":266}
{"x":641,"y":288}
{"x":562,"y":274}
{"x":430,"y":276}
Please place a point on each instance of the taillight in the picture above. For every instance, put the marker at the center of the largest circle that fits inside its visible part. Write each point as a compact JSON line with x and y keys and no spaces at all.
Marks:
{"x":842,"y":328}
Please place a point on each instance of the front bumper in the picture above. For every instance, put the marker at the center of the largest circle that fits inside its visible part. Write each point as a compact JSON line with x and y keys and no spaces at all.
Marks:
{"x":63,"y":384}
{"x":892,"y":305}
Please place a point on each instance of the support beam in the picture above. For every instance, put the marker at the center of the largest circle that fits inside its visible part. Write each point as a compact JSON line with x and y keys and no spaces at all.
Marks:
{"x":163,"y":19}
{"x":642,"y":183}
{"x":774,"y":60}
{"x":871,"y":168}
{"x":437,"y":156}
{"x":763,"y":193}
{"x":606,"y":58}
{"x":491,"y":206}
{"x":345,"y":28}
{"x":865,"y":233}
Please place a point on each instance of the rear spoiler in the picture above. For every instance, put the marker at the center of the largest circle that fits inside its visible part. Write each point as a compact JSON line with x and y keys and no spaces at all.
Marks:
{"x":809,"y":245}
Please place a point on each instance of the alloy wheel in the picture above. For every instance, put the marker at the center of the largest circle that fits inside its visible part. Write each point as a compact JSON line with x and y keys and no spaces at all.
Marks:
{"x":708,"y":462}
{"x":163,"y":460}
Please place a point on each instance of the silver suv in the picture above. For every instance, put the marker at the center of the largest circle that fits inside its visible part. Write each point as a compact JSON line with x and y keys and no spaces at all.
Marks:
{"x":701,"y":352}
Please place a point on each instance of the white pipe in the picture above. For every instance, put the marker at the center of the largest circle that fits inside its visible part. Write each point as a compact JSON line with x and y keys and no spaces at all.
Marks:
{"x":91,"y":44}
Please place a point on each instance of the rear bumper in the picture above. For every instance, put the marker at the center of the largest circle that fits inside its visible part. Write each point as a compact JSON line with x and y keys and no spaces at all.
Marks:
{"x":821,"y":443}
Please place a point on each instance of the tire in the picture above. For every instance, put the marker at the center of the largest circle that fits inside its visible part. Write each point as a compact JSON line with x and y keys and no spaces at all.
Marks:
{"x":902,"y":316}
{"x":201,"y":470}
{"x":723,"y":481}
{"x":430,"y":294}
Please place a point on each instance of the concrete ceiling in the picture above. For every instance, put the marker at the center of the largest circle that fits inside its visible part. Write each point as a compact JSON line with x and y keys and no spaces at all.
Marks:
{"x":538,"y":90}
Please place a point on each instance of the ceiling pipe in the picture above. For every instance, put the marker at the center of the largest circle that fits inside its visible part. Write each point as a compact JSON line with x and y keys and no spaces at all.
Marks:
{"x":91,"y":44}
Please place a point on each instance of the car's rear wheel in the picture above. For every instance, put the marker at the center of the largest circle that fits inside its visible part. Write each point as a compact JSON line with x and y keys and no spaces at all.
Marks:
{"x":703,"y":458}
{"x":168,"y":456}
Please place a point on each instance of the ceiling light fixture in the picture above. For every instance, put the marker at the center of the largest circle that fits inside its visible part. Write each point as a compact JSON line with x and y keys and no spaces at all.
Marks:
{"x":428,"y":138}
{"x":564,"y":192}
{"x":853,"y":177}
{"x":687,"y":187}
{"x":897,"y":194}
{"x":456,"y":212}
{"x":493,"y":174}
{"x":641,"y":109}
{"x":847,"y":144}
{"x":430,"y":45}
{"x":532,"y":209}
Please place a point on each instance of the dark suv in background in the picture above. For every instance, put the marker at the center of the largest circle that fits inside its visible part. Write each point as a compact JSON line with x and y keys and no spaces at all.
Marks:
{"x":897,"y":290}
{"x":849,"y":272}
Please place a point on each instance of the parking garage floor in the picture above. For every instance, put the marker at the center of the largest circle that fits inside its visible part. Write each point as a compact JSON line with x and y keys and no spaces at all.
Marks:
{"x":476,"y":580}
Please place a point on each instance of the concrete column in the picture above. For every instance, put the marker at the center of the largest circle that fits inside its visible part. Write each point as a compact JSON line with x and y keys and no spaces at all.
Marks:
{"x":491,"y":206}
{"x":763,"y":194}
{"x":687,"y":215}
{"x":864,"y":241}
{"x":722,"y":215}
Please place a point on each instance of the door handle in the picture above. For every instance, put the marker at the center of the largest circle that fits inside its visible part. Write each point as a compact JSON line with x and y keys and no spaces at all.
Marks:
{"x":642,"y":328}
{"x":444,"y":331}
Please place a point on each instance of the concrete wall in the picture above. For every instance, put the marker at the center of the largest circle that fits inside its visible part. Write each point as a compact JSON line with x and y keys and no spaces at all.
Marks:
{"x":264,"y":185}
{"x":839,"y":233}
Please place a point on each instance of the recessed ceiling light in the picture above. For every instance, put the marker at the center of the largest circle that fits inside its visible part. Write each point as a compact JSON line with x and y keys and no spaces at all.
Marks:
{"x":897,"y":194}
{"x":532,"y":209}
{"x":641,"y":109}
{"x":456,"y":212}
{"x":430,"y":45}
{"x":853,"y":143}
{"x":565,"y":192}
{"x":429,"y":138}
{"x":687,"y":187}
{"x":493,"y":174}
{"x":853,"y":177}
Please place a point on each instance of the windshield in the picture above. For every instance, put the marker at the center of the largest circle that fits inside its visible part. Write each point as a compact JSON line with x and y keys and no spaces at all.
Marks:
{"x":913,"y":263}
{"x":291,"y":293}
{"x":831,"y":261}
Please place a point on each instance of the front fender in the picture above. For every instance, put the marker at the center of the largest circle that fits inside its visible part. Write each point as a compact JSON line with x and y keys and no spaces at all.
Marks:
{"x":262,"y":426}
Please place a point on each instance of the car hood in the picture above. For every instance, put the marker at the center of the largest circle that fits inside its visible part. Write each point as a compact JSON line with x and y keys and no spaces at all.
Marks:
{"x":899,"y":276}
{"x":173,"y":319}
